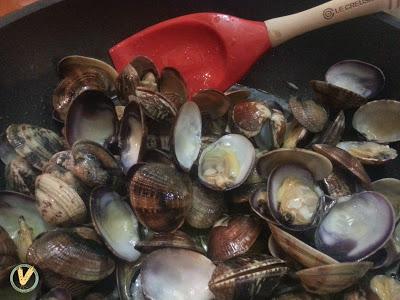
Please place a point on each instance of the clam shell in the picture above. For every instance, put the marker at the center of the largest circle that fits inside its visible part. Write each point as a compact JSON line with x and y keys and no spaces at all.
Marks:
{"x":378,"y":121}
{"x":390,"y":188}
{"x":126,"y":84}
{"x":177,"y":239}
{"x":298,"y":250}
{"x":74,"y":287}
{"x":35,"y":144}
{"x":333,"y":132}
{"x":160,"y":196}
{"x":92,"y":117}
{"x":57,"y":202}
{"x":247,"y":277}
{"x":207,"y":207}
{"x":336,"y":97}
{"x":249,"y":117}
{"x":173,"y":86}
{"x":232,"y":236}
{"x":237,"y":96}
{"x":65,"y":252}
{"x":179,"y":274}
{"x":317,"y":164}
{"x":336,"y":184}
{"x":369,"y":153}
{"x":309,"y":114}
{"x":333,"y":278}
{"x":114,"y":220}
{"x":20,"y":176}
{"x":294,"y":134}
{"x":212,"y":103}
{"x":345,"y":161}
{"x":129,"y":280}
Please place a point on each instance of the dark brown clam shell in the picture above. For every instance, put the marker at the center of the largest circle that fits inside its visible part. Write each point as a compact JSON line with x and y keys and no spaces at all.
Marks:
{"x":346,"y":161}
{"x":336,"y":184}
{"x":333,"y":132}
{"x":232,"y":236}
{"x":247,"y":277}
{"x":70,"y":255}
{"x":335,"y":97}
{"x":237,"y":96}
{"x":160,"y":196}
{"x":92,"y":117}
{"x":177,"y":239}
{"x":212,"y":103}
{"x":249,"y":117}
{"x":173,"y":87}
{"x":309,"y":114}
{"x":20,"y":176}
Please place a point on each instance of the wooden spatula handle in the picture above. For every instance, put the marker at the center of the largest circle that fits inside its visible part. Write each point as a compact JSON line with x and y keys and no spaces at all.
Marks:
{"x":285,"y":28}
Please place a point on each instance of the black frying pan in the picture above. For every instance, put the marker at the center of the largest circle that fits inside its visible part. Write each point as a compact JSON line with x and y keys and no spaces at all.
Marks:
{"x":34,"y":39}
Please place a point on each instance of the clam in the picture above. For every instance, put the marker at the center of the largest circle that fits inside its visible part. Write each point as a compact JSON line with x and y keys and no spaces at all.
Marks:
{"x":92,"y":117}
{"x":170,"y":274}
{"x":114,"y":220}
{"x":294,"y":197}
{"x":369,"y":153}
{"x":12,"y":207}
{"x":173,"y":86}
{"x":187,"y":135}
{"x":25,"y":238}
{"x":247,"y":277}
{"x":333,"y":278}
{"x":309,"y":114}
{"x":346,"y":161}
{"x":249,"y":116}
{"x":236,"y":96}
{"x":177,"y":239}
{"x":129,"y":281}
{"x":319,"y":166}
{"x":390,"y":188}
{"x":336,"y":184}
{"x":67,"y":253}
{"x":226,"y":163}
{"x":20,"y":176}
{"x":160,"y":196}
{"x":347,"y":233}
{"x":33,"y":143}
{"x":57,"y":202}
{"x":272,"y":132}
{"x":298,"y":250}
{"x":357,"y":76}
{"x":232,"y":236}
{"x":333,"y":132}
{"x":294,"y":134}
{"x":386,"y":288}
{"x":207,"y":207}
{"x":212,"y":103}
{"x":378,"y":121}
{"x":132,"y":136}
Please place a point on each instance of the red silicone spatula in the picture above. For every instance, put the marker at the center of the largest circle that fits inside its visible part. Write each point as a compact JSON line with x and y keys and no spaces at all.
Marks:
{"x":214,"y":50}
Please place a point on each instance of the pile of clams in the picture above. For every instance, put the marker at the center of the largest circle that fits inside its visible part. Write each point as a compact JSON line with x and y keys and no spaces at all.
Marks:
{"x":148,"y":193}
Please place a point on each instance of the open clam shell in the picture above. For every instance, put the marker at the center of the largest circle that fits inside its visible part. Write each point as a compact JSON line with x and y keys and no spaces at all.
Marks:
{"x":69,"y":254}
{"x":237,"y":96}
{"x":132,"y":136}
{"x":187,"y":135}
{"x":247,"y":277}
{"x":347,"y":233}
{"x":369,"y":153}
{"x":333,"y":278}
{"x":298,"y":250}
{"x":248,"y":117}
{"x":309,"y":114}
{"x":176,"y":274}
{"x":357,"y":76}
{"x":173,"y":86}
{"x":12,"y":206}
{"x":91,"y":117}
{"x":295,"y":133}
{"x":390,"y":188}
{"x":212,"y":103}
{"x":115,"y":222}
{"x":226,"y":163}
{"x":316,"y":163}
{"x":378,"y":121}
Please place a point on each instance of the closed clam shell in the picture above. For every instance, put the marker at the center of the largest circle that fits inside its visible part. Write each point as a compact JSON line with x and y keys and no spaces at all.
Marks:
{"x":33,"y":143}
{"x":316,"y":163}
{"x":160,"y":196}
{"x":212,"y":103}
{"x":378,"y":121}
{"x":332,"y":278}
{"x":57,"y":202}
{"x":345,"y":161}
{"x":232,"y":236}
{"x":207,"y":207}
{"x":332,"y":134}
{"x":69,"y":254}
{"x":298,"y":250}
{"x":20,"y":176}
{"x":309,"y":114}
{"x":390,"y":188}
{"x":369,"y":153}
{"x":335,"y":97}
{"x":177,"y":239}
{"x":173,"y":86}
{"x":247,"y":277}
{"x":91,"y":116}
{"x":249,"y":117}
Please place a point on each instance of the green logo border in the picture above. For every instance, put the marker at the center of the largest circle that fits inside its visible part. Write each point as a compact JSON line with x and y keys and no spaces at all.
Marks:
{"x":35,"y":284}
